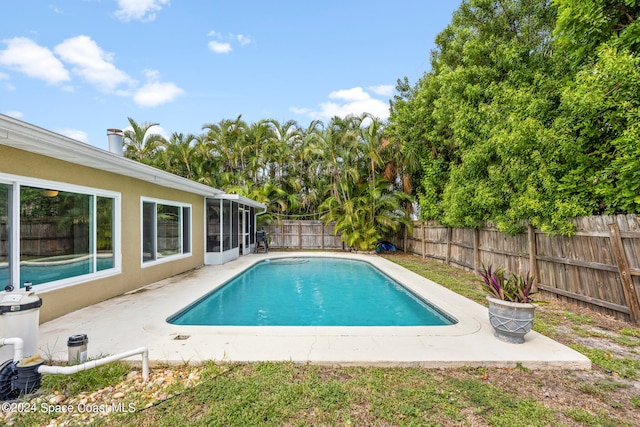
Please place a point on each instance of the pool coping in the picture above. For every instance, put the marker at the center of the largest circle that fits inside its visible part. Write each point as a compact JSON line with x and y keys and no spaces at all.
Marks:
{"x":138,"y":318}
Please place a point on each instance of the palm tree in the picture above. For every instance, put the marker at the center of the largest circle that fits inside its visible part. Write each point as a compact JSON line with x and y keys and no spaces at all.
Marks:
{"x":179,"y":153}
{"x":257,"y":136}
{"x":360,"y":225}
{"x":364,"y":205}
{"x":349,"y":168}
{"x":141,"y":145}
{"x":224,"y":139}
{"x":284,"y":140}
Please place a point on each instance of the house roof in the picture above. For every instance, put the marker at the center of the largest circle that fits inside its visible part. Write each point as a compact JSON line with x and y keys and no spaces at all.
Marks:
{"x":241,"y":199}
{"x":24,"y":136}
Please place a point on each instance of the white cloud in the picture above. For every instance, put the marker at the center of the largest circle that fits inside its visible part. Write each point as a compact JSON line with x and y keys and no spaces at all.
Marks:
{"x":27,"y":57}
{"x":92,"y":63}
{"x":345,"y":102}
{"x":139,"y":10}
{"x":243,"y":40}
{"x":355,"y":94}
{"x":382,"y":90}
{"x":218,"y":47}
{"x":223,"y":44}
{"x":56,"y":10}
{"x":300,"y":111}
{"x":14,"y":113}
{"x":155,"y":93}
{"x":76,"y":134}
{"x":86,"y":60}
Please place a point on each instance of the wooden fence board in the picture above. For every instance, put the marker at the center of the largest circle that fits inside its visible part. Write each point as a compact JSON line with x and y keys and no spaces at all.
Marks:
{"x":302,"y":235}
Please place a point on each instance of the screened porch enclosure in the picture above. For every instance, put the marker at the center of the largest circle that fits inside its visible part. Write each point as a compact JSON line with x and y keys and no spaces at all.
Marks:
{"x":231,"y":227}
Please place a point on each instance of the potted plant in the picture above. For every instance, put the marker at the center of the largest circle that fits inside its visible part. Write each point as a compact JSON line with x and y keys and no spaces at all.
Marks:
{"x":511,"y":311}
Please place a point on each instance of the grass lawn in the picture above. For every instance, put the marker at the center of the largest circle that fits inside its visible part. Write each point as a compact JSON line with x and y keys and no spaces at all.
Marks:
{"x":288,"y":394}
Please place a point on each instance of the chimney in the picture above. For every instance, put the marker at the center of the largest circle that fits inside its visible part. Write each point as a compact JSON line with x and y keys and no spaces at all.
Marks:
{"x":115,"y":141}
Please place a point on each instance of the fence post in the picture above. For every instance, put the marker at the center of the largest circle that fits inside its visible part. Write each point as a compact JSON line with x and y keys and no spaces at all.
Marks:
{"x":476,"y":250}
{"x":424,"y":242}
{"x":323,"y":236}
{"x":283,"y":240}
{"x":533,"y":256}
{"x":406,"y":234}
{"x":625,"y":273}
{"x":448,"y":256}
{"x":300,"y":235}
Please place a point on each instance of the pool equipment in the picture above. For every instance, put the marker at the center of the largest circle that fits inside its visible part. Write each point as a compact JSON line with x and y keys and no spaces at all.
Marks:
{"x":77,"y":348}
{"x":20,"y":317}
{"x":19,"y":320}
{"x":22,"y":375}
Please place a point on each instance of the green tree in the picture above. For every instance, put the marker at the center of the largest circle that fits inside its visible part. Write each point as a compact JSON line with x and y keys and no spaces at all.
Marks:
{"x":364,"y":205}
{"x":140,"y":144}
{"x":370,"y":213}
{"x":584,"y":25}
{"x":179,"y":154}
{"x":484,"y":119}
{"x":601,"y":121}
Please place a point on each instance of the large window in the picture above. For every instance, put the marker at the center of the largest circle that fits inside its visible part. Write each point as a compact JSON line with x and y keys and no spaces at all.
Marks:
{"x":53,"y":234}
{"x":166,"y":230}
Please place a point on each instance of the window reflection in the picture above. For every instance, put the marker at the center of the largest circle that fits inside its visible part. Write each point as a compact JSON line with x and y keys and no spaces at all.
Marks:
{"x":105,"y":226}
{"x":148,"y":231}
{"x":168,"y":230}
{"x":55,"y":235}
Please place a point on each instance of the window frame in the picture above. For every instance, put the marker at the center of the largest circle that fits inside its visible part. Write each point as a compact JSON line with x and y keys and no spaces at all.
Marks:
{"x":182,"y":227}
{"x":16,"y":182}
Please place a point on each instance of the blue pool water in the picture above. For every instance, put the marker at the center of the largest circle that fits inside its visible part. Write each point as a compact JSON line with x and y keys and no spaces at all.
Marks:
{"x":311,"y":292}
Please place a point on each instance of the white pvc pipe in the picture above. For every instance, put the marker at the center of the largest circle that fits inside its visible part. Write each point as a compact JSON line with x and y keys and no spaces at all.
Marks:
{"x":67,"y":370}
{"x":18,"y":347}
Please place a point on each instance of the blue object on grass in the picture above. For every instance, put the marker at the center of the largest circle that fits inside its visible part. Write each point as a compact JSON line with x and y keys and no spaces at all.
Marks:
{"x":385,"y":246}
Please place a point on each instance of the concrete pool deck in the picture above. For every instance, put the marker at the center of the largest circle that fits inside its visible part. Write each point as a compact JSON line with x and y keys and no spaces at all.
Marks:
{"x":138,"y":319}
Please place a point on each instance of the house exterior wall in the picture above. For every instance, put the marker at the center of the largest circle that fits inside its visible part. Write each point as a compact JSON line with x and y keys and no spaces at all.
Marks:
{"x":57,"y":302}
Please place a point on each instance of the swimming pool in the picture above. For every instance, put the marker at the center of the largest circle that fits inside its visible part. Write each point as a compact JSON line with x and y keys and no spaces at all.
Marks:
{"x":314,"y":291}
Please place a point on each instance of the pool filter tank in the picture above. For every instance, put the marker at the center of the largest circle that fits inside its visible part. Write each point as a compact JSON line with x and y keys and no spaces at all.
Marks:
{"x":77,"y":348}
{"x":19,"y":317}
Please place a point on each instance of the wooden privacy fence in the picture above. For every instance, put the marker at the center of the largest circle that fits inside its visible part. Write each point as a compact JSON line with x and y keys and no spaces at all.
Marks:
{"x":296,"y":234}
{"x":597,"y":267}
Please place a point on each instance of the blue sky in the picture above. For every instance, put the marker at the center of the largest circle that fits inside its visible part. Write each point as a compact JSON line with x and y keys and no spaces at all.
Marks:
{"x":78,"y":67}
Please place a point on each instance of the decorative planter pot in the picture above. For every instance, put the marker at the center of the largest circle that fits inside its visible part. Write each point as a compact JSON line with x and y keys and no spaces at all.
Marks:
{"x":510,"y":320}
